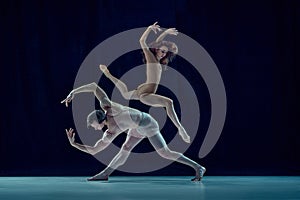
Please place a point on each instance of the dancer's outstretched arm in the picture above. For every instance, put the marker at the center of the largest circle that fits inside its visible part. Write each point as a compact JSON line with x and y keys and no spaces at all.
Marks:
{"x":105,"y":102}
{"x":92,"y":87}
{"x":170,"y":31}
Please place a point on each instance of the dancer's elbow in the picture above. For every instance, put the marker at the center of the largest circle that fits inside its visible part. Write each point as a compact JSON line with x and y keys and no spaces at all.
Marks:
{"x":93,"y":151}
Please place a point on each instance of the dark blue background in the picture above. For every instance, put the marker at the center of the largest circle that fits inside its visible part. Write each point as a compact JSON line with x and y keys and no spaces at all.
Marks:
{"x":255,"y":45}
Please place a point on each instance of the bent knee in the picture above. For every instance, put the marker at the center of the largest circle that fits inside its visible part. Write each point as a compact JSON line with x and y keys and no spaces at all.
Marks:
{"x":169,"y":102}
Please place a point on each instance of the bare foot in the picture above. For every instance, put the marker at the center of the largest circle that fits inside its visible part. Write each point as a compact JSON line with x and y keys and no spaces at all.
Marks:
{"x":184,"y":135}
{"x":99,"y":177}
{"x":104,"y":69}
{"x":199,"y":173}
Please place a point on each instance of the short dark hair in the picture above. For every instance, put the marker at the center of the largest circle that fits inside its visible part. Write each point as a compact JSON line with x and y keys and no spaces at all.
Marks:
{"x":97,"y":115}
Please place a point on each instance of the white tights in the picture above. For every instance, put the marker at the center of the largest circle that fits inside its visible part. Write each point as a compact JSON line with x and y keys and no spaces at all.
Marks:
{"x":159,"y":145}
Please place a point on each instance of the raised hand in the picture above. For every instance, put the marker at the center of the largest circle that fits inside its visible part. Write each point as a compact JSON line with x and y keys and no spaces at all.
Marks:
{"x":155,"y":27}
{"x":71,"y":135}
{"x":68,"y":99}
{"x":171,"y":31}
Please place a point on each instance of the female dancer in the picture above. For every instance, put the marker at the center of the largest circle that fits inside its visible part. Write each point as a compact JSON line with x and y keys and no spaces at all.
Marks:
{"x":159,"y":52}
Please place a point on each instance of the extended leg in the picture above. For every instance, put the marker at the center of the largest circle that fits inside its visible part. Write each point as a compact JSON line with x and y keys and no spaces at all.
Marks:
{"x":119,"y":84}
{"x":161,"y":101}
{"x":163,"y":150}
{"x":119,"y":159}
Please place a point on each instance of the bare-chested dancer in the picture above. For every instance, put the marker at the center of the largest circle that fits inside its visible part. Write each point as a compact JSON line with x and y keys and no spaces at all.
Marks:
{"x":160,"y":52}
{"x":118,"y":119}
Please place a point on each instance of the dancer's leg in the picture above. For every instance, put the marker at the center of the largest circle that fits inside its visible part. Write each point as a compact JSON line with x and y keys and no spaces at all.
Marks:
{"x":161,"y":101}
{"x":119,"y":159}
{"x":119,"y":84}
{"x":163,"y":150}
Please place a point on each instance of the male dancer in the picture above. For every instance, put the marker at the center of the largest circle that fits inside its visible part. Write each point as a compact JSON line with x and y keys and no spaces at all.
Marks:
{"x":118,"y":119}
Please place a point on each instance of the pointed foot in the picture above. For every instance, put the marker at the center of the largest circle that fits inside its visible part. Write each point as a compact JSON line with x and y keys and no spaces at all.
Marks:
{"x":184,"y":135}
{"x":98,"y":178}
{"x":104,"y":69}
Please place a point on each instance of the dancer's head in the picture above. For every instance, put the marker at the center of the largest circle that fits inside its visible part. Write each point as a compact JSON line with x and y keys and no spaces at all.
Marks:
{"x":96,"y":119}
{"x":164,"y":51}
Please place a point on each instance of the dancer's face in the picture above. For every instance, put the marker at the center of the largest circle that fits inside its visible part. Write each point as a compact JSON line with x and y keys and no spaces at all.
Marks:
{"x":161,"y":52}
{"x":97,"y":126}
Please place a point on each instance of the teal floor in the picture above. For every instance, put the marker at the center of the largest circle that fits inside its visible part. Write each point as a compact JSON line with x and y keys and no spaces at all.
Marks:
{"x":156,"y":188}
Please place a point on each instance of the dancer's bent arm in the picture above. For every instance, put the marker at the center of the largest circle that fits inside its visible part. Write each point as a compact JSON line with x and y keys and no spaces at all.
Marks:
{"x":170,"y":31}
{"x":148,"y":55}
{"x":100,"y":144}
{"x":92,"y":87}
